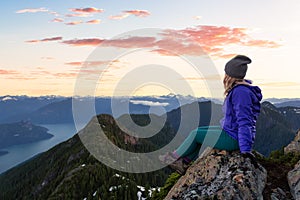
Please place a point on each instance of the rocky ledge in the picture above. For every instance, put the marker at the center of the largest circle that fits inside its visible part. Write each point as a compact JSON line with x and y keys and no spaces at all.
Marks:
{"x":221,"y":175}
{"x":294,"y":146}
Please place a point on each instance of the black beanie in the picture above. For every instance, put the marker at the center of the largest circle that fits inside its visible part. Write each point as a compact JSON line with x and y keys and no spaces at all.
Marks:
{"x":237,"y":66}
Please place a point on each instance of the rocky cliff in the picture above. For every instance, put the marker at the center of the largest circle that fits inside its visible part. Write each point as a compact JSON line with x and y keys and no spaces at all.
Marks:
{"x":293,"y":176}
{"x":294,"y":146}
{"x":221,"y":175}
{"x":294,"y":181}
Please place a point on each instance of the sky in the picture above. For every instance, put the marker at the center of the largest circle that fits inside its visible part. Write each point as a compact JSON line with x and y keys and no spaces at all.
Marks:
{"x":130,"y":47}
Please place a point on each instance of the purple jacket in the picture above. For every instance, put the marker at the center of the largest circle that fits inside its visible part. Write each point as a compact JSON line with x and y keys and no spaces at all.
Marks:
{"x":241,"y":109}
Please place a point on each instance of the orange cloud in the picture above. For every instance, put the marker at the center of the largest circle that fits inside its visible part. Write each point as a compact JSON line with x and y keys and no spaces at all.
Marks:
{"x":138,"y":13}
{"x":32,"y":10}
{"x":45,"y":40}
{"x":8,"y":72}
{"x":74,"y":23}
{"x":83,"y":42}
{"x":57,"y":20}
{"x":262,"y":43}
{"x":94,"y":21}
{"x":74,"y":63}
{"x":45,"y":74}
{"x":87,"y":10}
{"x":65,"y":75}
{"x":87,"y":63}
{"x":14,"y":75}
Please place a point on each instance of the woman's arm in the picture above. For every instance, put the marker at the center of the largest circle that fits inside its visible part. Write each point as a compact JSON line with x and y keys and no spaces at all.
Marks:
{"x":242,"y":103}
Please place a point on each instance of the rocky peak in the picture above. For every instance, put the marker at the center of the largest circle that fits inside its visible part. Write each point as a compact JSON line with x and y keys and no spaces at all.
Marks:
{"x":220,"y":175}
{"x":294,"y":146}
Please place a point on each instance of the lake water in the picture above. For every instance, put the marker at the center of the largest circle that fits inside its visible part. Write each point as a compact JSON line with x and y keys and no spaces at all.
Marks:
{"x":19,"y":153}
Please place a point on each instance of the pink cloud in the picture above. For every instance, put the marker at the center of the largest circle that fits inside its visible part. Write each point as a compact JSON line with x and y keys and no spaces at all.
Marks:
{"x":94,"y":21}
{"x":131,"y":42}
{"x":87,"y":63}
{"x":78,"y":15}
{"x":49,"y":74}
{"x":74,"y":63}
{"x":53,"y":13}
{"x":65,"y":75}
{"x":8,"y":72}
{"x":83,"y":42}
{"x":262,"y":43}
{"x":32,"y":10}
{"x":210,"y":39}
{"x":51,"y":39}
{"x":127,"y":13}
{"x":74,"y":23}
{"x":14,"y":75}
{"x":57,"y":20}
{"x":33,"y":41}
{"x":45,"y":40}
{"x":87,"y":10}
{"x":120,"y":16}
{"x":138,"y":13}
{"x":200,"y":40}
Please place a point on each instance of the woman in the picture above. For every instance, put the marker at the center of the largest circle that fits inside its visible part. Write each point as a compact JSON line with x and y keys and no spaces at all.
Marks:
{"x":238,"y":127}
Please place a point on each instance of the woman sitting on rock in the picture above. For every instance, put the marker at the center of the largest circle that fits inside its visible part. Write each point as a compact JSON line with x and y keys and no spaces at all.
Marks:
{"x":238,"y":127}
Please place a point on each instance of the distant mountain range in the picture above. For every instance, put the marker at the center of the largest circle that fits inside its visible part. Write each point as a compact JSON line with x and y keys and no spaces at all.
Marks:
{"x":21,"y":133}
{"x":58,"y":109}
{"x":295,"y":103}
{"x":19,"y":105}
{"x":54,"y":110}
{"x":280,"y":100}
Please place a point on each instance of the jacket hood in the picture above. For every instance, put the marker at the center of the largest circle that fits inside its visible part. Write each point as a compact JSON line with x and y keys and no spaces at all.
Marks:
{"x":255,"y":89}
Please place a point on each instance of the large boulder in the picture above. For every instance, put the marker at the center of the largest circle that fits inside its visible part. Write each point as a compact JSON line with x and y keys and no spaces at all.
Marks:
{"x":221,"y":175}
{"x":294,"y":146}
{"x":293,"y":180}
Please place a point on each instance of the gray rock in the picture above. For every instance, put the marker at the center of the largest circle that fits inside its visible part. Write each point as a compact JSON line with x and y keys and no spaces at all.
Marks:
{"x":278,"y":194}
{"x":294,"y":146}
{"x":221,"y":175}
{"x":294,"y":181}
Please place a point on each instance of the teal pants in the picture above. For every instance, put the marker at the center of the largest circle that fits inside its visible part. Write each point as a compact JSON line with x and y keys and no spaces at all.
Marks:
{"x":213,"y":136}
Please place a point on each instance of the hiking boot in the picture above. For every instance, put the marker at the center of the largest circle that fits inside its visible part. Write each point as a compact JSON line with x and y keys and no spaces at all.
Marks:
{"x":180,"y":166}
{"x":167,"y":158}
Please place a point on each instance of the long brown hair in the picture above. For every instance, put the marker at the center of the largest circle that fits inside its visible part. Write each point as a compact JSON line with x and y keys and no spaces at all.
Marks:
{"x":229,"y":82}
